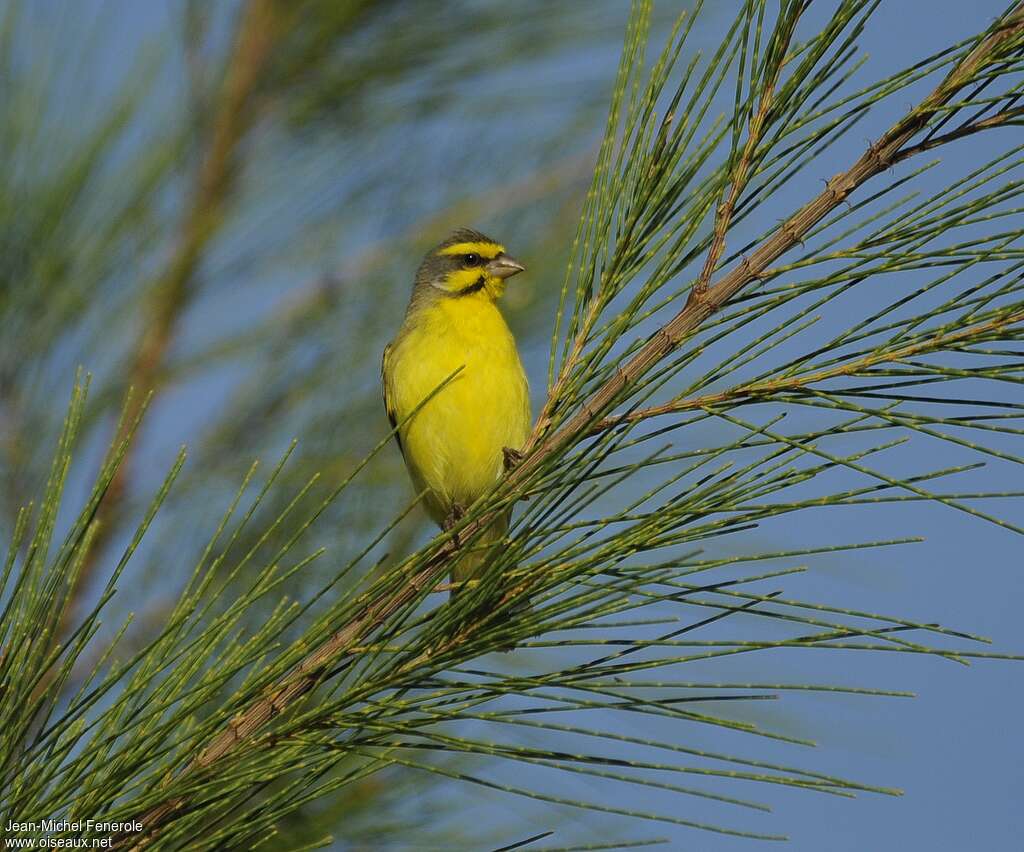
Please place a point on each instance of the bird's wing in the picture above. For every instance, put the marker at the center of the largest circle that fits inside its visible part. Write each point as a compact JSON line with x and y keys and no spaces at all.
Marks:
{"x":386,"y":392}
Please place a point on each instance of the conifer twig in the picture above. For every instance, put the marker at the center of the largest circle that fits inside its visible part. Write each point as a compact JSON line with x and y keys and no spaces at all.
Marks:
{"x":741,"y":173}
{"x":772,"y":386}
{"x":702,"y":303}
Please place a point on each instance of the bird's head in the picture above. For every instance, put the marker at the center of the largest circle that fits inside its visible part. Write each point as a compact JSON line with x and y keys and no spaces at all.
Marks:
{"x":468,"y":263}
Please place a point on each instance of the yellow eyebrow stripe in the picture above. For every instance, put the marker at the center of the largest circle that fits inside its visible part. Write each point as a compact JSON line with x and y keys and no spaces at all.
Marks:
{"x":485,"y":250}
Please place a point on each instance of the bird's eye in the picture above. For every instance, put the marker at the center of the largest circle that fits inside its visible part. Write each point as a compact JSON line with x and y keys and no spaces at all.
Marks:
{"x":471,"y":259}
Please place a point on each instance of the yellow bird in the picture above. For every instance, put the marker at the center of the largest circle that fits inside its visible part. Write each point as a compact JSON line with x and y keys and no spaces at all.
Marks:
{"x":459,"y":443}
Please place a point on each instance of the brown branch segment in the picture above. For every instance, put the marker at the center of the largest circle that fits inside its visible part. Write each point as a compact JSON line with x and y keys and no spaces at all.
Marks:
{"x":741,"y":173}
{"x":773,"y":386}
{"x":213,"y":186}
{"x":203,"y":214}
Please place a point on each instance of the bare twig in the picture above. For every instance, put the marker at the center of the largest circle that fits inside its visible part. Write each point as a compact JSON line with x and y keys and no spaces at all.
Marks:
{"x":1000,"y":119}
{"x":741,"y":172}
{"x":756,"y":390}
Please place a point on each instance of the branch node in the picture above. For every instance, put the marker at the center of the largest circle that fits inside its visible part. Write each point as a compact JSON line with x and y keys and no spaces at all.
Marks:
{"x":877,"y":158}
{"x":749,"y":271}
{"x":836,"y":189}
{"x":588,"y":409}
{"x":792,"y":232}
{"x":671,"y":340}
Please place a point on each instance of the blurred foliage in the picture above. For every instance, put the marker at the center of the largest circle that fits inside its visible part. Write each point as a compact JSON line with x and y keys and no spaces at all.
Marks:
{"x":225,"y":203}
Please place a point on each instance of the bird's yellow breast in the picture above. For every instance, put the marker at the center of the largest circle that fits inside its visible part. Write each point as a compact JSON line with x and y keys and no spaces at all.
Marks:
{"x":453,"y":444}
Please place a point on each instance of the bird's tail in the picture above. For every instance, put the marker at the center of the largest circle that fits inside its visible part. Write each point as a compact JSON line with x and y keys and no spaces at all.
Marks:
{"x":469,"y":565}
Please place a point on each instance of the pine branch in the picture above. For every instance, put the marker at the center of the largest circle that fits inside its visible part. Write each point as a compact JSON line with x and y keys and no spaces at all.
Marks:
{"x":741,"y":173}
{"x":769,"y":388}
{"x":374,"y":610}
{"x":701,"y":305}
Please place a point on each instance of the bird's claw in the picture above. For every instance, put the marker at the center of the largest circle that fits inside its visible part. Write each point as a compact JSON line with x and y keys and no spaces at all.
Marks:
{"x":455,"y":514}
{"x":511,"y":458}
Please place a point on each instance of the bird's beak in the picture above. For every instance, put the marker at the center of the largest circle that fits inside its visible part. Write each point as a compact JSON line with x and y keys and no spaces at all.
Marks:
{"x":504,"y":266}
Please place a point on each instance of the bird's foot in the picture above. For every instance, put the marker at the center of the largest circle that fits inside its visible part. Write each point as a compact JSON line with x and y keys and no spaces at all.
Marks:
{"x":511,"y":458}
{"x":455,"y":514}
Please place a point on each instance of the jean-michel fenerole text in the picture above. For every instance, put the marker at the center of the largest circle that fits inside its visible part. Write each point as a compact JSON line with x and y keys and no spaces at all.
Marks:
{"x":61,"y":826}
